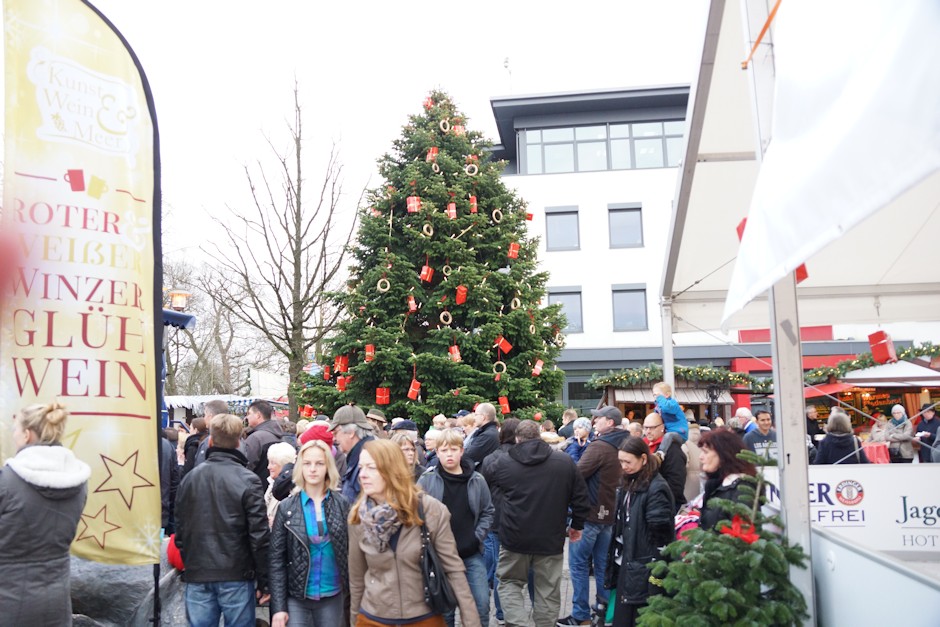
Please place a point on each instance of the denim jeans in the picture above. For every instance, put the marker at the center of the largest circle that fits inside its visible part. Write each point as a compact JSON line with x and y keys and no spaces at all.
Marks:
{"x":595,"y":540}
{"x":491,"y":554}
{"x":479,"y":588}
{"x":235,"y":600}
{"x":326,"y":611}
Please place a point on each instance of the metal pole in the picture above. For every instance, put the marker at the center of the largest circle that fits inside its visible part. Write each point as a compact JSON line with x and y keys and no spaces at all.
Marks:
{"x":790,"y":421}
{"x":669,"y":372}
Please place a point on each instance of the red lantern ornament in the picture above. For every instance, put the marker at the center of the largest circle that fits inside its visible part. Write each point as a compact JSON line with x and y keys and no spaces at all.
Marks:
{"x":414,"y":389}
{"x":454,"y":353}
{"x":413,"y":203}
{"x":431,"y":157}
{"x":412,"y":305}
{"x":513,"y":251}
{"x":382,"y":396}
{"x":326,"y":373}
{"x":427,"y":273}
{"x":537,"y":368}
{"x":370,"y":352}
{"x":504,"y":404}
{"x":473,"y":204}
{"x":882,"y":348}
{"x":529,"y":215}
{"x":503,"y":344}
{"x":341,"y":384}
{"x":461,"y":294}
{"x":452,"y":210}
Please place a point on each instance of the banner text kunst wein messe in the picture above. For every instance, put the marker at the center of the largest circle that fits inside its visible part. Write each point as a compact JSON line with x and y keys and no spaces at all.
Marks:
{"x":81,"y":197}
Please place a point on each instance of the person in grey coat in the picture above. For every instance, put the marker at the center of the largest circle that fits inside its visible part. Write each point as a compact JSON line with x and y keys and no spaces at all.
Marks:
{"x":42,"y":493}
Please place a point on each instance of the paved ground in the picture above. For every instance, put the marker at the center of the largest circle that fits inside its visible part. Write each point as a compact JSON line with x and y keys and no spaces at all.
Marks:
{"x":566,"y":593}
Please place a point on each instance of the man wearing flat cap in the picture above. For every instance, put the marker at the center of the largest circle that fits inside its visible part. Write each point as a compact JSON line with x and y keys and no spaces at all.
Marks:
{"x":378,"y":421}
{"x":351,"y":429}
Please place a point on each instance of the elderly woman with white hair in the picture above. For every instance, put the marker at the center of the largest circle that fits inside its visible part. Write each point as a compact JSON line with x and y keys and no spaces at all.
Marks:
{"x":280,"y":454}
{"x":899,"y":433}
{"x":577,"y":443}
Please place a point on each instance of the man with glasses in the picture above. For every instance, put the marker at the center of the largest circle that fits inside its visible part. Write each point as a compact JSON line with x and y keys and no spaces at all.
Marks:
{"x":673,"y":467}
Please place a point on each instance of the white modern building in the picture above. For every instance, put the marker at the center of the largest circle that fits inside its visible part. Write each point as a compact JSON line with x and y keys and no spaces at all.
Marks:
{"x":600,"y":172}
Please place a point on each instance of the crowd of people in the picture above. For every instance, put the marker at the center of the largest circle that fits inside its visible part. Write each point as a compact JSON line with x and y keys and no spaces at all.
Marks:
{"x":329,"y":521}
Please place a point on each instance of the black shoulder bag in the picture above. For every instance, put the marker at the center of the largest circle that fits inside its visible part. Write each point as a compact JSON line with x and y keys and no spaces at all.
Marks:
{"x":438,"y":593}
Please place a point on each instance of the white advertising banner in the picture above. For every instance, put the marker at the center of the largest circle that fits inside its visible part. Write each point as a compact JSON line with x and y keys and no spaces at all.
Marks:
{"x":894,"y":508}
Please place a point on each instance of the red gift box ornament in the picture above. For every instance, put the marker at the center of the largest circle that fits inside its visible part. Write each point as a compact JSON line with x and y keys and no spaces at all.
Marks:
{"x":308,"y":411}
{"x":513,"y":251}
{"x":341,"y":384}
{"x":529,"y":215}
{"x":370,"y":352}
{"x":473,"y":204}
{"x":427,"y":273}
{"x":431,"y":157}
{"x":882,"y":348}
{"x":537,"y":368}
{"x":414,"y":389}
{"x":381,"y":396}
{"x":343,"y":364}
{"x":504,"y":404}
{"x":454,"y":353}
{"x":412,"y":305}
{"x":503,"y":344}
{"x":326,"y":373}
{"x":452,"y":210}
{"x":459,"y":129}
{"x":413,"y":203}
{"x":428,"y":102}
{"x":461,"y":294}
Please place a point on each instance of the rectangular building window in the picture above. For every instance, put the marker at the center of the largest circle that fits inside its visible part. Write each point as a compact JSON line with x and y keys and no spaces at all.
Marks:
{"x":626,"y":225}
{"x":570,"y":300}
{"x":561,"y":228}
{"x":619,"y":146}
{"x":630,"y":308}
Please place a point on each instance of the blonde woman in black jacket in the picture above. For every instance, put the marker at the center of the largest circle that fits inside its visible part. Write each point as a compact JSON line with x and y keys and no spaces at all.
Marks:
{"x":643,"y":524}
{"x":309,"y":576}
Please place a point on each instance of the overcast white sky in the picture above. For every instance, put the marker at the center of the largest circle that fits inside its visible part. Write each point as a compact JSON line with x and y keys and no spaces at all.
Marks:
{"x":222,"y":74}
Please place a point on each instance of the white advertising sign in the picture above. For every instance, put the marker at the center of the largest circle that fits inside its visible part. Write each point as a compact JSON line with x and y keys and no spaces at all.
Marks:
{"x":893,"y":508}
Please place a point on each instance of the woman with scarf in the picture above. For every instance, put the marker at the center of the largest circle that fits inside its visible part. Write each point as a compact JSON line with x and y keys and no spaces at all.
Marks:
{"x":385,"y":577}
{"x":309,"y":542}
{"x":899,"y":434}
{"x":42,"y":494}
{"x":840,"y":446}
{"x":643,"y":524}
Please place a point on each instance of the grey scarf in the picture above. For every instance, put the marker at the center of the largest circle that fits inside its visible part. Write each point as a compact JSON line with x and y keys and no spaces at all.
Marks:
{"x":379,"y":523}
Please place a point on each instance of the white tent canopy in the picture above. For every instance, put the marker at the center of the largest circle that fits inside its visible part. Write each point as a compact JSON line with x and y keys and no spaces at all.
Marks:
{"x":912,"y":374}
{"x":882,"y":270}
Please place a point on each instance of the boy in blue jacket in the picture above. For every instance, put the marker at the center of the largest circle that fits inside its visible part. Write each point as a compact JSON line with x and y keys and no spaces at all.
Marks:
{"x":677,"y":426}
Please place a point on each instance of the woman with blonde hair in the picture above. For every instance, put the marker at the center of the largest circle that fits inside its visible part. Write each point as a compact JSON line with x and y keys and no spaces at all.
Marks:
{"x":42,"y":494}
{"x":309,"y":578}
{"x":385,"y":545}
{"x":409,"y":449}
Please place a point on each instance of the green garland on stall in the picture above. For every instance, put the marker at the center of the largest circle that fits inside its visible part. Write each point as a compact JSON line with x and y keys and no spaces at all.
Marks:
{"x":653,"y":373}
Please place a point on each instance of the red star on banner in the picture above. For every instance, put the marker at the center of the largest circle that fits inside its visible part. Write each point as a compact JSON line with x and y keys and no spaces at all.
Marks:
{"x":97,"y":525}
{"x":123,"y":476}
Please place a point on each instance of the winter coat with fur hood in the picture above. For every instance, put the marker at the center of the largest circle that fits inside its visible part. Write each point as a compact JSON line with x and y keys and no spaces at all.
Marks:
{"x":42,"y":494}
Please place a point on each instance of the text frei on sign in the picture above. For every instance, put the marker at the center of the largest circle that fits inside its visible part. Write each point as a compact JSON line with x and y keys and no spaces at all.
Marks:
{"x":886,"y":507}
{"x":79,"y":326}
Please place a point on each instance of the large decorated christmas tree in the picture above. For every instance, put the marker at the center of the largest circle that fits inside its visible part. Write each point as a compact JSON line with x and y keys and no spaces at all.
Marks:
{"x":444,"y":306}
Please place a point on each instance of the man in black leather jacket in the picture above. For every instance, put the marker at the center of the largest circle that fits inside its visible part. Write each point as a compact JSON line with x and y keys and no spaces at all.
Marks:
{"x":222,"y":532}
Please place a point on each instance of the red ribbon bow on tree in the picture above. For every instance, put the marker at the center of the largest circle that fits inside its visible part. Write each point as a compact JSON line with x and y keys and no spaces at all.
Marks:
{"x":741,"y":529}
